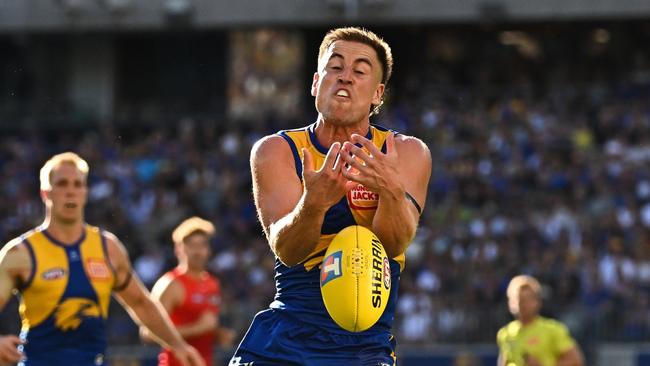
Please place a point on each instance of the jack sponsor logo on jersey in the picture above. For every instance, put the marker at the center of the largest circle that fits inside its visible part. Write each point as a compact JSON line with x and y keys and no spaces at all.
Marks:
{"x":360,"y":198}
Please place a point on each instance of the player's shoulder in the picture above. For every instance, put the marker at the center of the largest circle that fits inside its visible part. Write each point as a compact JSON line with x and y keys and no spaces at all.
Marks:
{"x":502,"y":335}
{"x":16,"y":254}
{"x":411,"y":145}
{"x":169,"y":282}
{"x":116,"y":250}
{"x":512,"y":326}
{"x":272,"y":152}
{"x":14,"y":248}
{"x":112,"y":241}
{"x":269,"y":145}
{"x":551,"y":324}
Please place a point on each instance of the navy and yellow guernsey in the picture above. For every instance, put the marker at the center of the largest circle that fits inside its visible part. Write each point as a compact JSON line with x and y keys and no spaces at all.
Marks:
{"x":298,"y":291}
{"x":64,"y":304}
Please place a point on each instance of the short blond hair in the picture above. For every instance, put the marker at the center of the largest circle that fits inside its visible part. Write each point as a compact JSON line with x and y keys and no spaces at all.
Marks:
{"x":192,"y":226}
{"x":521,"y":281}
{"x":64,"y":158}
{"x":364,"y":36}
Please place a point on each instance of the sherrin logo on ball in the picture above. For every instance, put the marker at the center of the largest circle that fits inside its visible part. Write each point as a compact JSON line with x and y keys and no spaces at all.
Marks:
{"x":355,"y":279}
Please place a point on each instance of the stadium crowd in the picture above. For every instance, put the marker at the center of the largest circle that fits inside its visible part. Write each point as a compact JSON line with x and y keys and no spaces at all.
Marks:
{"x":538,"y":172}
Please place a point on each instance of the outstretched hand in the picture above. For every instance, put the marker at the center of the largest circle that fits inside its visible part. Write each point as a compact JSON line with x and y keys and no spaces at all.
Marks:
{"x":326,"y":186}
{"x":377,"y":171}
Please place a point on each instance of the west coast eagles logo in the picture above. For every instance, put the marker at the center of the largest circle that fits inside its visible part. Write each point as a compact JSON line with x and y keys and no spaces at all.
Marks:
{"x":360,"y":198}
{"x":70,"y":313}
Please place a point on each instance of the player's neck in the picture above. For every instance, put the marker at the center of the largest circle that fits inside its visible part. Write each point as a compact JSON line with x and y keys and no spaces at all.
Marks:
{"x":528,"y":320}
{"x":328,"y":133}
{"x":63,"y":231}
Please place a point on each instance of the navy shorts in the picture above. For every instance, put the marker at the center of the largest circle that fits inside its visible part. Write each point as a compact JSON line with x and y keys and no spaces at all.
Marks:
{"x":277,"y":339}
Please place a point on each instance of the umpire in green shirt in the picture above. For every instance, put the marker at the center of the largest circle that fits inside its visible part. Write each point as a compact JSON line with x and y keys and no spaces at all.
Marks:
{"x":530,"y":339}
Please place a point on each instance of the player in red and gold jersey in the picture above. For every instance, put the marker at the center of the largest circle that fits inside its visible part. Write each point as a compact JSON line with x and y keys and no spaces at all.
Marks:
{"x":190,"y":294}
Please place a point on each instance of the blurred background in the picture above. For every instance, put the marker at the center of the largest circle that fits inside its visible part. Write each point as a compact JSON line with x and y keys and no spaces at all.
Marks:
{"x":537,"y":114}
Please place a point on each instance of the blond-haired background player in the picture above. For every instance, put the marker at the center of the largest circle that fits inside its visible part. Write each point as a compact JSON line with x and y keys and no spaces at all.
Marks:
{"x":65,"y":271}
{"x":530,"y":339}
{"x":190,"y":294}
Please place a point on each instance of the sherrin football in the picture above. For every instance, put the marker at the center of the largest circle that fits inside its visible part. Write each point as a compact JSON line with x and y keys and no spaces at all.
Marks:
{"x":355,"y":279}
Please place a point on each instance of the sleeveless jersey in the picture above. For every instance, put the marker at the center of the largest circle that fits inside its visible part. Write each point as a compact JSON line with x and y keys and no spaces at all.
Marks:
{"x":298,"y":290}
{"x":64,"y":303}
{"x":201,"y":295}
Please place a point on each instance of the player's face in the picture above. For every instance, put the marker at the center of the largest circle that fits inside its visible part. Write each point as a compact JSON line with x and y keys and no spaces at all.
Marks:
{"x":347,"y":83}
{"x":68,"y":195}
{"x":526,"y":304}
{"x":196,"y":250}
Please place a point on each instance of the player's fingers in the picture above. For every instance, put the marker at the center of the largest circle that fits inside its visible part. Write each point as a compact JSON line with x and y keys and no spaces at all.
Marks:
{"x":350,"y":185}
{"x":307,"y":162}
{"x":390,"y":144}
{"x":186,"y":360}
{"x":372,"y":149}
{"x":197,"y":360}
{"x":332,"y":156}
{"x":10,"y":353}
{"x":357,"y":153}
{"x":352,"y":175}
{"x":358,"y":160}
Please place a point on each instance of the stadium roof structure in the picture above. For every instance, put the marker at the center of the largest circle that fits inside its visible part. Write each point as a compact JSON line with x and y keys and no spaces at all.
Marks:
{"x":118,"y":15}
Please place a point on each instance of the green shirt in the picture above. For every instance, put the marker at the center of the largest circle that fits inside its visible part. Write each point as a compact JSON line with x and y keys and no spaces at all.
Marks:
{"x":545,"y":339}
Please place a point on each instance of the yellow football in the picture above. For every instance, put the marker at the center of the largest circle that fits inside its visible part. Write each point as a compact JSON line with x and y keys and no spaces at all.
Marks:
{"x":355,"y":279}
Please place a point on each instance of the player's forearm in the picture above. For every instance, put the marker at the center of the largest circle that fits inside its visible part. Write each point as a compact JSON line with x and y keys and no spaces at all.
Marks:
{"x":501,"y":360}
{"x":160,"y":327}
{"x":197,"y":328}
{"x":394,"y":222}
{"x":295,"y":236}
{"x":192,"y":330}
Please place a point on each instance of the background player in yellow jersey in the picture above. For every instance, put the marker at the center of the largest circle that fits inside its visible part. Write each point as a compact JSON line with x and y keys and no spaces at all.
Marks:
{"x":65,"y":271}
{"x":532,"y":340}
{"x":311,"y":182}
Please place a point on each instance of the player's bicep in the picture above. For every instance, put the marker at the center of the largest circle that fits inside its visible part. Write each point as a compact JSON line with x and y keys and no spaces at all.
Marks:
{"x":127,"y":288}
{"x":169,"y":292}
{"x":276,"y":185}
{"x":6,"y":281}
{"x":15,"y":264}
{"x":119,"y":260}
{"x":415,"y":167}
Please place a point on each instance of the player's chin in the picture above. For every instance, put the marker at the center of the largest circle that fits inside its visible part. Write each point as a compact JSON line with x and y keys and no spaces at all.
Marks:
{"x":199,"y":262}
{"x":342,"y":119}
{"x":69,"y":218}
